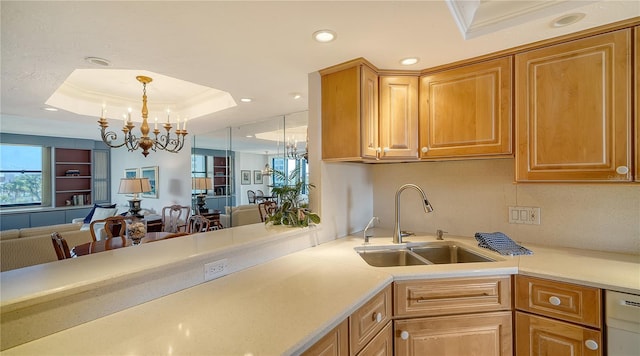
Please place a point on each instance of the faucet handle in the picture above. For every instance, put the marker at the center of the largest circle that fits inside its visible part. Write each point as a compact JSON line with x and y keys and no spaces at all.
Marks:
{"x":439,"y":233}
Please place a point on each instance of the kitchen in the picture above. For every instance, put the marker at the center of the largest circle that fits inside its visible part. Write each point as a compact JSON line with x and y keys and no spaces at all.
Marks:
{"x":471,"y":196}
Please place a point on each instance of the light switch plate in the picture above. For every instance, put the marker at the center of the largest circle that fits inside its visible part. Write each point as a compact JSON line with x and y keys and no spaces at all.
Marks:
{"x":524,"y":215}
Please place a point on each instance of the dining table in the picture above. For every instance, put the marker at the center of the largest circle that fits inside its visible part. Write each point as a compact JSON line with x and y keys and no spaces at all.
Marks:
{"x":116,"y":242}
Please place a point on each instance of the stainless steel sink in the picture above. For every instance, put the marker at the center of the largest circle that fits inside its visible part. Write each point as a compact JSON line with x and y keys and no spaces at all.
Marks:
{"x":387,"y":258}
{"x":428,"y":253}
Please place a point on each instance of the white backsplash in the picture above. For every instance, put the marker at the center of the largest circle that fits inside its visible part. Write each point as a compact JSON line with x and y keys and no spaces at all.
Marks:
{"x":474,"y":195}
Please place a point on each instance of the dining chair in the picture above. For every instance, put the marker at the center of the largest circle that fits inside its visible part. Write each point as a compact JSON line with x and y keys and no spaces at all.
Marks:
{"x":61,"y":246}
{"x":197,"y":223}
{"x":259,"y":196}
{"x":252,"y":196}
{"x":266,"y":208}
{"x":175,"y":217}
{"x":113,"y":226}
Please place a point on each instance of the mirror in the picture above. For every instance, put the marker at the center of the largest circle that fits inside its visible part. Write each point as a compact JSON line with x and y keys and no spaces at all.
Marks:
{"x":240,"y":161}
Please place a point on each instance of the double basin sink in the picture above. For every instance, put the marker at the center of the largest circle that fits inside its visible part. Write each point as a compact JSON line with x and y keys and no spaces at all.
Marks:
{"x":420,"y":253}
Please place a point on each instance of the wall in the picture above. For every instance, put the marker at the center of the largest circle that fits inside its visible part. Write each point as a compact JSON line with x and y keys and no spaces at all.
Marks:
{"x":174,"y":176}
{"x":474,"y":195}
{"x":251,"y":162}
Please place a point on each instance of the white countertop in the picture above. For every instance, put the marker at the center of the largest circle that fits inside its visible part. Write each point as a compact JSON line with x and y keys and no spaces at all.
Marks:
{"x":285,"y":305}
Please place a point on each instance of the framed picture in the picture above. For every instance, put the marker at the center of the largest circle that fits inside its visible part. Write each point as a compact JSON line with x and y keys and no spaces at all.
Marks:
{"x":257,"y":177}
{"x":131,"y":173}
{"x":152,"y":174}
{"x":245,"y":177}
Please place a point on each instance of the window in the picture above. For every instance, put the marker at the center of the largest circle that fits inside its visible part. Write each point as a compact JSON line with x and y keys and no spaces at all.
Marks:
{"x":287,"y":166}
{"x":21,"y":175}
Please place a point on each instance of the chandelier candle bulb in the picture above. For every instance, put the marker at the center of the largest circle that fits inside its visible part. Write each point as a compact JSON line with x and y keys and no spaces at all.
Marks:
{"x":156,"y":124}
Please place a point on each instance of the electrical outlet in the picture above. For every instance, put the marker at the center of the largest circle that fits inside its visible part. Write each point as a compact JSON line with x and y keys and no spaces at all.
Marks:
{"x":216,"y":269}
{"x":524,"y":215}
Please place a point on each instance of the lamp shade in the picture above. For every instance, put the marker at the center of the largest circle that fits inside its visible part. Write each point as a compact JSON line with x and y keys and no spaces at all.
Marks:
{"x":134,"y":185}
{"x":201,"y":183}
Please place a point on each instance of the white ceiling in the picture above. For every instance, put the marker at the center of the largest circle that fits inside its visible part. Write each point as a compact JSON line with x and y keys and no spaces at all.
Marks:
{"x":257,"y":49}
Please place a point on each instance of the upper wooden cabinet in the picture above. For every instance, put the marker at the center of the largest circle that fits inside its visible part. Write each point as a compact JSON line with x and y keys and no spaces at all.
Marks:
{"x":573,"y":110}
{"x":350,"y":111}
{"x":398,"y":122}
{"x":637,"y":100}
{"x":466,"y":111}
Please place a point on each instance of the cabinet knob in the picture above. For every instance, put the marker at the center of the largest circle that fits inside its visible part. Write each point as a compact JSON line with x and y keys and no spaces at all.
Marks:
{"x":404,"y":335}
{"x":554,"y":300}
{"x":591,"y":344}
{"x":622,"y":169}
{"x":377,"y":317}
{"x":424,"y":149}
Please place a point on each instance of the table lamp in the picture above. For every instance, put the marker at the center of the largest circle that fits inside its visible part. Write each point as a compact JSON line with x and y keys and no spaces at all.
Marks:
{"x":201,"y":183}
{"x":134,"y":186}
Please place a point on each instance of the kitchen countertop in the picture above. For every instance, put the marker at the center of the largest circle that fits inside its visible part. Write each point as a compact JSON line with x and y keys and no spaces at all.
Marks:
{"x":285,"y":305}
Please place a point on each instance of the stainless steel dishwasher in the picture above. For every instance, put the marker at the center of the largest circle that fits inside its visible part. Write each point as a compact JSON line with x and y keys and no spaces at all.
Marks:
{"x":623,"y":324}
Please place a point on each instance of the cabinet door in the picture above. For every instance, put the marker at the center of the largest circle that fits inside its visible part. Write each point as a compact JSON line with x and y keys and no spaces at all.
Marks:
{"x":474,"y":334}
{"x":335,"y":343}
{"x":573,"y":110}
{"x":542,"y":336}
{"x":399,"y":117}
{"x":467,"y":111}
{"x":369,"y":113}
{"x":381,"y":345}
{"x":637,"y":100}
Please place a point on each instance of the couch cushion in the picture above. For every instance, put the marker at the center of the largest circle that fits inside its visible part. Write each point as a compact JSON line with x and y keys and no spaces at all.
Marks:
{"x":103,"y":213}
{"x":9,"y":234}
{"x":87,"y":218}
{"x":47,"y":230}
{"x":22,"y":252}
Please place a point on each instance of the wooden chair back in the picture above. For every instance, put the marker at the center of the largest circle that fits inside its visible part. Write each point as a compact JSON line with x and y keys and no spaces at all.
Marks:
{"x":113,"y":226}
{"x":175,"y":217}
{"x":198,"y":223}
{"x":252,"y":196}
{"x":266,"y":208}
{"x":61,"y":246}
{"x":259,"y":196}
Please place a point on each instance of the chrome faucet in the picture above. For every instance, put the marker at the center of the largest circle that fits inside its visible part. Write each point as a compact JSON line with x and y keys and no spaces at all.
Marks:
{"x":397,"y":233}
{"x":369,"y":225}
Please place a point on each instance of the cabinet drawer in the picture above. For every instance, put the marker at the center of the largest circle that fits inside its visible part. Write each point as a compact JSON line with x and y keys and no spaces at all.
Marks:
{"x":560,"y":300}
{"x":365,"y":322}
{"x":452,"y":296}
{"x":537,"y":335}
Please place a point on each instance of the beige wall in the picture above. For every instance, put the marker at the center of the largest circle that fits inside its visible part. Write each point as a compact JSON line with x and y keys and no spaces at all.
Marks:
{"x":474,"y":195}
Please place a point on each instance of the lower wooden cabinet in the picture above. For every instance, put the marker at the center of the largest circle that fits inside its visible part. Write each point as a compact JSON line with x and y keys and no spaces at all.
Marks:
{"x":335,"y":343}
{"x":537,"y":335}
{"x":481,"y":334}
{"x":381,"y":344}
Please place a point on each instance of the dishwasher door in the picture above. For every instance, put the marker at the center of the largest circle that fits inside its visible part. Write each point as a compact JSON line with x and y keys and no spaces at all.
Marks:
{"x":623,"y":324}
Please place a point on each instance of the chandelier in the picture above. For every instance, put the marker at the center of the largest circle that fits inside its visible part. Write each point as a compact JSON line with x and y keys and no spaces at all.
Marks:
{"x":164,"y":142}
{"x":291,"y":150}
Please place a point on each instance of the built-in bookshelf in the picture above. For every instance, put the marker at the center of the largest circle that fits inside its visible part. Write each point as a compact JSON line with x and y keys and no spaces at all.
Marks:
{"x":221,"y":178}
{"x":73,"y":177}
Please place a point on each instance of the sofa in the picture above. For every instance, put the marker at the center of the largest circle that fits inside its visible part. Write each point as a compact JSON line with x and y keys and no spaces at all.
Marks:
{"x":240,"y":215}
{"x":31,"y":246}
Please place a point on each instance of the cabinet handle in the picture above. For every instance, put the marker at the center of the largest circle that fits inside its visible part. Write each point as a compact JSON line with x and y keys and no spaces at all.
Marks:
{"x":377,"y":317}
{"x":424,"y":149}
{"x":386,"y":149}
{"x":404,"y":335}
{"x":554,"y":300}
{"x":591,"y":344}
{"x":622,"y":170}
{"x":378,"y":150}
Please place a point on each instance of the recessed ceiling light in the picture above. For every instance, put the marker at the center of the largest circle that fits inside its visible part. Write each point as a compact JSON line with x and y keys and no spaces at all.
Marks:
{"x":249,"y":136}
{"x":409,"y":61}
{"x":296,"y":96}
{"x":246,"y":100}
{"x":50,"y":109}
{"x":97,"y":61}
{"x":324,"y":36}
{"x":567,"y":20}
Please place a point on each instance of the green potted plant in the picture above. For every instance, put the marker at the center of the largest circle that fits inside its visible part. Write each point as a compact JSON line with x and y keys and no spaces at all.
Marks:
{"x":292,"y":210}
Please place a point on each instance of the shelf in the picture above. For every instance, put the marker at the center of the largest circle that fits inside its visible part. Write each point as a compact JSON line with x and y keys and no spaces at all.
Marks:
{"x":75,"y":177}
{"x":74,"y":163}
{"x":74,"y":191}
